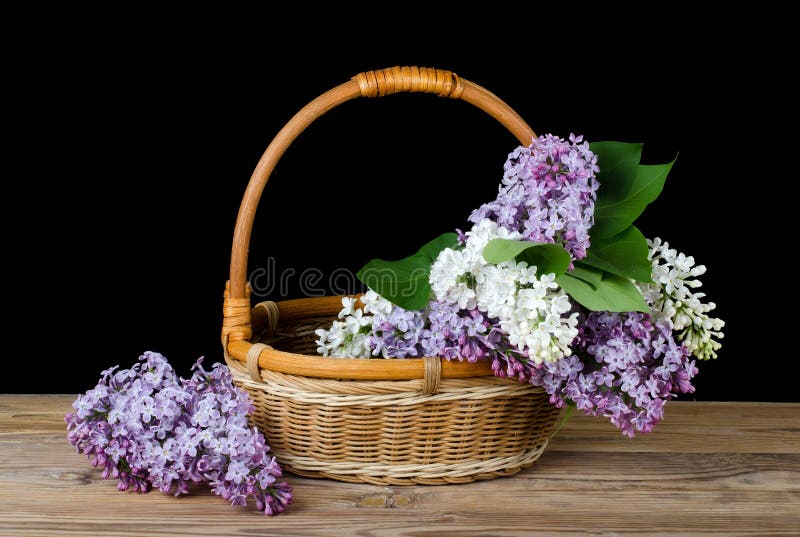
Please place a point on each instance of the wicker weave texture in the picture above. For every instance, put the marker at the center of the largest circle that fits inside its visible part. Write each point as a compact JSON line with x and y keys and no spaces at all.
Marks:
{"x":389,"y":432}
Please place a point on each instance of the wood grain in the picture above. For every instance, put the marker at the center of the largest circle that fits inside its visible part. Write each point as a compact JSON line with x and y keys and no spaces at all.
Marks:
{"x":710,"y":468}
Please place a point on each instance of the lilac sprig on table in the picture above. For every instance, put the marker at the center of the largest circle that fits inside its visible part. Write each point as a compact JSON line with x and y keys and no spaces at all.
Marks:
{"x":148,"y":428}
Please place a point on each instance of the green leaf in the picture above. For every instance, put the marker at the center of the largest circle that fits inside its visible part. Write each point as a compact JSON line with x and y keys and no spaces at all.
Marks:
{"x":613,"y":293}
{"x":624,"y":254}
{"x":502,"y":250}
{"x":617,"y":162}
{"x":590,"y":275}
{"x":405,"y":282}
{"x":620,"y":202}
{"x":548,"y":258}
{"x":445,"y":240}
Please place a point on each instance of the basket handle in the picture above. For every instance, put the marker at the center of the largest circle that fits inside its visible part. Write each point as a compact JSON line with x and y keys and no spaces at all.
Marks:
{"x":237,"y":316}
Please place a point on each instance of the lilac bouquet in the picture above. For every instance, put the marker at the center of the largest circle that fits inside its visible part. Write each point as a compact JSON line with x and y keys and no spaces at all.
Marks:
{"x":553,"y":285}
{"x":148,"y":428}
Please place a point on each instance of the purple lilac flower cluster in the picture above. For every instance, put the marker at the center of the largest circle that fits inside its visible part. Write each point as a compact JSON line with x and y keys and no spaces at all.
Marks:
{"x":548,"y":193}
{"x":457,"y":334}
{"x":631,"y":368}
{"x":450,"y":332}
{"x":149,"y":428}
{"x":399,"y":335}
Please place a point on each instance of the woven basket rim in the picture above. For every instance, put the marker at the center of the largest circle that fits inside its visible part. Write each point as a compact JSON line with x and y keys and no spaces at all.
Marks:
{"x":307,"y":365}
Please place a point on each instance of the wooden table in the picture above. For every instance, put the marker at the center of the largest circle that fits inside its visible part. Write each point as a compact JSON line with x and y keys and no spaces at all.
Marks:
{"x":710,"y":468}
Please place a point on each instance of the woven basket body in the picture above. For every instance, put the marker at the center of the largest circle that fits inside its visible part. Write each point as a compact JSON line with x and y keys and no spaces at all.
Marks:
{"x":409,"y":421}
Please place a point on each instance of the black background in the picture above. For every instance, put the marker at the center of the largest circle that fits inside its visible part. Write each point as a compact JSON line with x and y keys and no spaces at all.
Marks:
{"x":132,"y":151}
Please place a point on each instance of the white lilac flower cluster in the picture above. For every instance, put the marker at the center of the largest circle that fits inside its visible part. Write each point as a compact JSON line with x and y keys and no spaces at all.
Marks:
{"x":531,"y":309}
{"x":349,"y":337}
{"x":671,"y":297}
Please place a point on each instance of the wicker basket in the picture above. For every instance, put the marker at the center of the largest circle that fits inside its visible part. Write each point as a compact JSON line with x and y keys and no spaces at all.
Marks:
{"x":400,"y":422}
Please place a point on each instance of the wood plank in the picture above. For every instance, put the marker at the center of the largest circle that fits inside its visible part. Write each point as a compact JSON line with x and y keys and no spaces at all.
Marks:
{"x":695,"y":427}
{"x":711,"y":468}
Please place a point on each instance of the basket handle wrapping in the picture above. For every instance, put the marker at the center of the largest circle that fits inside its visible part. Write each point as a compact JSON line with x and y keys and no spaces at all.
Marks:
{"x":236,"y":309}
